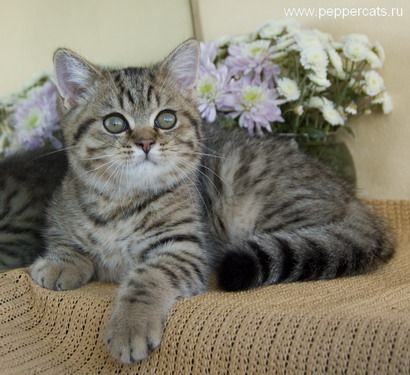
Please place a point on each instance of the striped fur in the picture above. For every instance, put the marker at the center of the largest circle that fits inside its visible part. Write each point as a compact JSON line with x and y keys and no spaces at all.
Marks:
{"x":123,"y":214}
{"x":200,"y":199}
{"x":27,"y":182}
{"x":278,"y":216}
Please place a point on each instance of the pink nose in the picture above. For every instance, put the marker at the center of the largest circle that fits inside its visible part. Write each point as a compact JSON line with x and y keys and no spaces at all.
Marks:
{"x":145,"y":144}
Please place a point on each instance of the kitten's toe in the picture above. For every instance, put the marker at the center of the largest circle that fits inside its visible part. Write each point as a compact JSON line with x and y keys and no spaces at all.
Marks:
{"x":154,"y":334}
{"x":127,"y":348}
{"x":131,"y":337}
{"x":56,"y":275}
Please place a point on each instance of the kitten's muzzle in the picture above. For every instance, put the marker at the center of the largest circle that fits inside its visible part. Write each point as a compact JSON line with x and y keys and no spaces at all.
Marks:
{"x":145,"y":144}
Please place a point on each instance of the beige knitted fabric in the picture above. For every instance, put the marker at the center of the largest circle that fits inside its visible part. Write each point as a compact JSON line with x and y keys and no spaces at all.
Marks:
{"x":358,"y":325}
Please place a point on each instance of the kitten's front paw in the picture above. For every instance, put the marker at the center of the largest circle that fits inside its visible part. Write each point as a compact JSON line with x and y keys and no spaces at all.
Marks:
{"x":59,"y":275}
{"x":132,"y":332}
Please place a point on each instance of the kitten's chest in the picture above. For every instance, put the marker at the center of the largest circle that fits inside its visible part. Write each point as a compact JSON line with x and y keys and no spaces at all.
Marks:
{"x":115,"y":235}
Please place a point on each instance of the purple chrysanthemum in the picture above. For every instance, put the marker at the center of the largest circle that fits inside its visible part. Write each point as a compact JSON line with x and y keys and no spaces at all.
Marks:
{"x":211,"y":86}
{"x":35,"y":118}
{"x":209,"y":51}
{"x":255,"y":105}
{"x":254,"y":57}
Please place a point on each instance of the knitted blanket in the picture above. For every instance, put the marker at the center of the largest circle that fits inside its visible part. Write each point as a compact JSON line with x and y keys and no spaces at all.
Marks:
{"x":356,"y":325}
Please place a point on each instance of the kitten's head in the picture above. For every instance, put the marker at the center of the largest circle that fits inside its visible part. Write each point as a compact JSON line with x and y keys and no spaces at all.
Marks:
{"x":134,"y":129}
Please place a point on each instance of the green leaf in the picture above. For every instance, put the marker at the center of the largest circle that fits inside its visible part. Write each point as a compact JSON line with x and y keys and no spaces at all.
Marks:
{"x":313,"y":132}
{"x":227,"y":123}
{"x":348,"y":129}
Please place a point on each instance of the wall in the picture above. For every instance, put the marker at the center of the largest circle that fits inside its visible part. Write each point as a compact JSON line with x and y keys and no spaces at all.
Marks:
{"x":132,"y":32}
{"x":125,"y":32}
{"x":381,"y":147}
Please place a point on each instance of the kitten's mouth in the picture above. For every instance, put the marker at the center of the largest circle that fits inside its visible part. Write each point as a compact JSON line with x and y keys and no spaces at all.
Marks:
{"x":148,"y":159}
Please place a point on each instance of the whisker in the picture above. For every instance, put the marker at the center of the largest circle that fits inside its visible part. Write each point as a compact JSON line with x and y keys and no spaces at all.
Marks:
{"x":179,"y":170}
{"x":54,"y":152}
{"x":210,"y":170}
{"x":193,"y":169}
{"x":100,"y":157}
{"x":112,"y":174}
{"x":93,"y":170}
{"x":199,"y":153}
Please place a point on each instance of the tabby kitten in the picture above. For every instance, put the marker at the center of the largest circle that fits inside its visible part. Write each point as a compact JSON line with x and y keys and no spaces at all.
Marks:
{"x":155,"y":201}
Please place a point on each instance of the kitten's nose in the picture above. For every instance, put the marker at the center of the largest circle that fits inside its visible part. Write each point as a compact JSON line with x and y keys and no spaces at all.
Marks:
{"x":145,"y":144}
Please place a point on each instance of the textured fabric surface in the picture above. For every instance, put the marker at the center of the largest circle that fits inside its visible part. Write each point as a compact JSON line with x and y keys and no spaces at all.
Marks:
{"x":357,"y":325}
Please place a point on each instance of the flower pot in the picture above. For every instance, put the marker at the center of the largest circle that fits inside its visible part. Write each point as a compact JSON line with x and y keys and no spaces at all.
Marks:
{"x":332,"y":152}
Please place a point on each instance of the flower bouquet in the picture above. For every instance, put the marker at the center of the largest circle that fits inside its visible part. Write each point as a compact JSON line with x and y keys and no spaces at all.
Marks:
{"x":290,"y":81}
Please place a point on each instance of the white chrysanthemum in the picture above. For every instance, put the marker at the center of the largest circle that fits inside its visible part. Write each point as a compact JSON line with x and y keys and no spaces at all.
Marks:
{"x":355,"y":50}
{"x":387,"y":104}
{"x":374,"y":60}
{"x":245,"y":38}
{"x":386,"y":101}
{"x":379,"y":51}
{"x":314,"y":58}
{"x":271,"y":29}
{"x":256,"y":48}
{"x":336,"y":73}
{"x":224,"y":40}
{"x":352,"y":82}
{"x":288,"y":88}
{"x":332,"y":115}
{"x":309,"y":41}
{"x":319,"y":78}
{"x":278,"y":56}
{"x":284,"y":42}
{"x":361,"y":38}
{"x":373,"y":83}
{"x":337,"y":45}
{"x":351,"y":109}
{"x":335,"y":59}
{"x":298,"y":110}
{"x":315,"y":102}
{"x":325,"y":38}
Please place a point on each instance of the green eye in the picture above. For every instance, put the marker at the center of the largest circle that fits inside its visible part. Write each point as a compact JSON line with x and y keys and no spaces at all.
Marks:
{"x":166,"y":120}
{"x":115,"y":124}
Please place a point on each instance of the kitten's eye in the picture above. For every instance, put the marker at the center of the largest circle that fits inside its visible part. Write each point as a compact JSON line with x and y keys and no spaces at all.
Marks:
{"x":115,"y":124}
{"x":166,"y":120}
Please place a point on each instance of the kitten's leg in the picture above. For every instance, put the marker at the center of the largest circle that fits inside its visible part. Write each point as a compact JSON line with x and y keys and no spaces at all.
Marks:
{"x":63,"y":267}
{"x":145,"y":298}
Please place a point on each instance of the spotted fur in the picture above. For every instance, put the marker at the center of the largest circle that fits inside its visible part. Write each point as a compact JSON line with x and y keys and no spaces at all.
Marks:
{"x":157,"y":210}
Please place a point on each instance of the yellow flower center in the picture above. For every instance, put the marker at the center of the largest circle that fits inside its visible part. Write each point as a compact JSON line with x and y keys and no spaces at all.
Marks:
{"x":208,"y":88}
{"x":34,"y":118}
{"x":251,"y":95}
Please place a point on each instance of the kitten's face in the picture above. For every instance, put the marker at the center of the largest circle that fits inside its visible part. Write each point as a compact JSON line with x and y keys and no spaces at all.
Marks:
{"x":134,"y":129}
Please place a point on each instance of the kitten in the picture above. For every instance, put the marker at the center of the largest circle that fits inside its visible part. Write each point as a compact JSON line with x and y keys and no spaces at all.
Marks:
{"x":155,"y":201}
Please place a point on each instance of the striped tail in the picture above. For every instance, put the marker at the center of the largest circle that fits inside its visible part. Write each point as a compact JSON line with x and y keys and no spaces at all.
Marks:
{"x":354,"y":245}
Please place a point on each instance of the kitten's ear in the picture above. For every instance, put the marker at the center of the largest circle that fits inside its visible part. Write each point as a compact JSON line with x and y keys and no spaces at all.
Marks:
{"x":74,"y":75}
{"x":183,"y":64}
